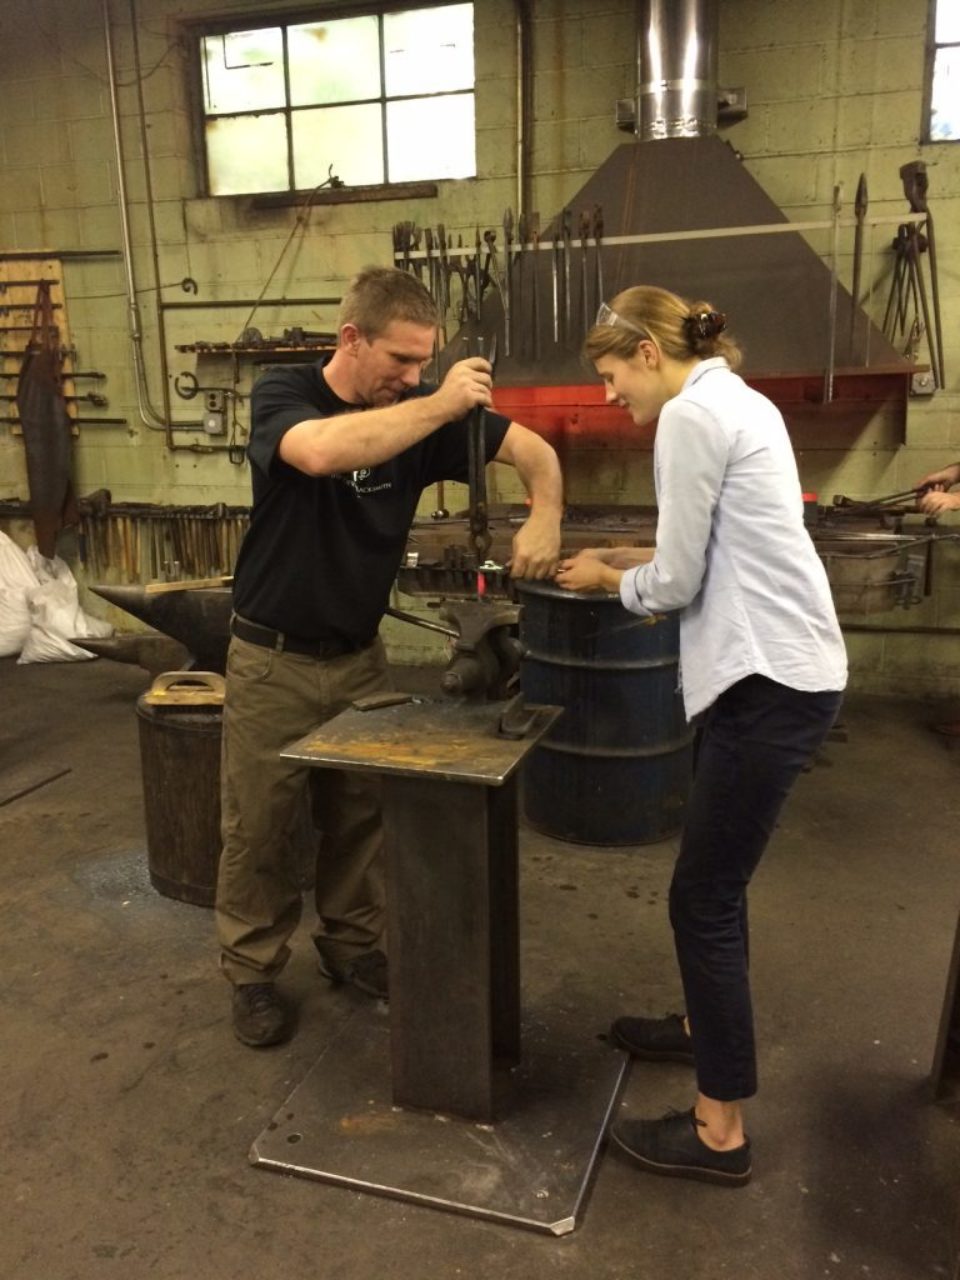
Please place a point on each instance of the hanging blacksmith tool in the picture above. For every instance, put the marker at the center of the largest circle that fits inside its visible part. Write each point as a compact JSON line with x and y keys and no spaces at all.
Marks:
{"x":566,"y":231}
{"x":459,"y":267}
{"x":586,"y":317}
{"x":522,"y":328}
{"x":508,"y":282}
{"x":478,"y":271}
{"x":432,"y":274}
{"x":860,"y":209}
{"x":444,"y":280}
{"x":555,"y":279}
{"x":914,"y":178}
{"x":598,"y":250}
{"x":534,"y":225}
{"x":491,"y":267}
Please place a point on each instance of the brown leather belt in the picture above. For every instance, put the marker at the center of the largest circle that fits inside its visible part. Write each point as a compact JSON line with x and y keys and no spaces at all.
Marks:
{"x":283,"y":642}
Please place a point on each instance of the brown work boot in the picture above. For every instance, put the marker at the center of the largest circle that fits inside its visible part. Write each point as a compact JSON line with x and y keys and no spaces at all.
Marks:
{"x":260,"y":1017}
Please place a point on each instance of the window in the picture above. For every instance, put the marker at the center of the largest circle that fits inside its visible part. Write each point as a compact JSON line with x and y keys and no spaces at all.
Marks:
{"x":943,"y":77}
{"x":376,"y":98}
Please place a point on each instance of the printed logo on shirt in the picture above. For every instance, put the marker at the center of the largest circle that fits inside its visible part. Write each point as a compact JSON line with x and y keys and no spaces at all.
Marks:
{"x":359,"y":481}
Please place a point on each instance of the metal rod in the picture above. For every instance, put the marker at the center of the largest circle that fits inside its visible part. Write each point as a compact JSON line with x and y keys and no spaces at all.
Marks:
{"x":247,"y":302}
{"x":832,"y":321}
{"x":37,"y":255}
{"x":860,"y":205}
{"x":148,"y":414}
{"x":422,"y":622}
{"x":658,"y":237}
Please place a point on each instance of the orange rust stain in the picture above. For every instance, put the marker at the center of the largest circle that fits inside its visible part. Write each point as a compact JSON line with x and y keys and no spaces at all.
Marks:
{"x":368,"y":1125}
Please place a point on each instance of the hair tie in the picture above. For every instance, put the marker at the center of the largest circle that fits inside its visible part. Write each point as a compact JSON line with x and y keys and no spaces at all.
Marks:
{"x":705,"y":324}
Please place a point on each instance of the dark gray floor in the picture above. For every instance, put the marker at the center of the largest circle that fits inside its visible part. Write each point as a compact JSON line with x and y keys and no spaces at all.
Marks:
{"x":128,"y":1108}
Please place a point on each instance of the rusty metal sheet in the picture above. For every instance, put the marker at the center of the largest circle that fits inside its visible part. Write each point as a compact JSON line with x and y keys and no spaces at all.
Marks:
{"x":453,"y":740}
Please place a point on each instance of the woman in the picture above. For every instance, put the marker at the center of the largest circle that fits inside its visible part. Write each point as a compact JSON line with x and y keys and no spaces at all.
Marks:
{"x":762,"y":667}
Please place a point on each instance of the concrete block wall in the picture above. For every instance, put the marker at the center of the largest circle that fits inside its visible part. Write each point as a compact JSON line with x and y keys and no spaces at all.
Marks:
{"x":834,"y":88}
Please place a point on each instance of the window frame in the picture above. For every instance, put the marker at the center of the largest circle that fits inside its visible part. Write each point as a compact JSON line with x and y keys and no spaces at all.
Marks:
{"x":198,"y":28}
{"x":929,"y":64}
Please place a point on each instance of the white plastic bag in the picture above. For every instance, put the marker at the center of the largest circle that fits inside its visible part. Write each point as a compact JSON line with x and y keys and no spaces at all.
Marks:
{"x":56,"y":616}
{"x":15,"y":568}
{"x":16,"y":579}
{"x":14,"y":620}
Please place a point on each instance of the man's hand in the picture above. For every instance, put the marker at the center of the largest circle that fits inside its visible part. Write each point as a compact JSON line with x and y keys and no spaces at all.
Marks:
{"x":585,"y":572}
{"x":536,"y":547}
{"x":946,"y":478}
{"x":467,"y":384}
{"x":936,"y":503}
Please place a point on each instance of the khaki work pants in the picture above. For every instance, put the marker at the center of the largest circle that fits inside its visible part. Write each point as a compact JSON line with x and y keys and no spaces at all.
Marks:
{"x":273,"y":699}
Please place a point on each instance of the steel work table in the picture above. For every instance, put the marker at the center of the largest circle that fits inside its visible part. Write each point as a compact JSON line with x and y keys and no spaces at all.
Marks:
{"x":450,"y":807}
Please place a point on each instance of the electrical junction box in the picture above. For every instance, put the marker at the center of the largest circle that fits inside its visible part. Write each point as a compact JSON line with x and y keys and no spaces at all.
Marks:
{"x":214,"y":419}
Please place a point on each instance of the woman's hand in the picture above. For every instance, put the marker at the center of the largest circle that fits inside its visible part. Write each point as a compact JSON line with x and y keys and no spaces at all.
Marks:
{"x":586,"y":572}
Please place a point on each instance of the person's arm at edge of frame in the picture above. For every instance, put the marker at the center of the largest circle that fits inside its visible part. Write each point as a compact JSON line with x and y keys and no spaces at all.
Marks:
{"x":935,"y":499}
{"x":536,"y":544}
{"x":347,"y":441}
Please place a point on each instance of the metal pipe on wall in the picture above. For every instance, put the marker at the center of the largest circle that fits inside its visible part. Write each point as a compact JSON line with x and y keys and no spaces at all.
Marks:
{"x":148,"y":415}
{"x":152,"y":223}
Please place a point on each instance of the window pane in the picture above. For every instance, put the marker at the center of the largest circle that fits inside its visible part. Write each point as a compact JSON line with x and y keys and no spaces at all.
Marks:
{"x":247,"y":153}
{"x":349,"y":138}
{"x":243,"y":71}
{"x":948,"y":22}
{"x":429,"y":50}
{"x":945,"y":98}
{"x":431,"y":138}
{"x":334,"y":61}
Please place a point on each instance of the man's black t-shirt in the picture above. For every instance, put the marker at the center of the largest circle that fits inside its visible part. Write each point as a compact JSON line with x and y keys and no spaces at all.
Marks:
{"x":322,"y":552}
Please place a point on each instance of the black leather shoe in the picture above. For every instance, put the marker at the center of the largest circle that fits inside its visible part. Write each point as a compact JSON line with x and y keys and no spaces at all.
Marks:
{"x":655,"y":1039}
{"x":260,"y":1017}
{"x":670,"y":1147}
{"x":367,"y":972}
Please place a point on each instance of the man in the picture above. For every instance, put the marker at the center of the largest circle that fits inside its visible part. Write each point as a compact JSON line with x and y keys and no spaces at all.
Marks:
{"x":340,"y":452}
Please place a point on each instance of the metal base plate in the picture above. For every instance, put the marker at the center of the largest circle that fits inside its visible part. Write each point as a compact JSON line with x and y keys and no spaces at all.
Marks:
{"x":532,"y":1168}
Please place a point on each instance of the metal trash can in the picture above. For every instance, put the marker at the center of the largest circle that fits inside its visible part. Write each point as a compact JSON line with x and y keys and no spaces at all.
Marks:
{"x":181,"y":717}
{"x":616,"y":767}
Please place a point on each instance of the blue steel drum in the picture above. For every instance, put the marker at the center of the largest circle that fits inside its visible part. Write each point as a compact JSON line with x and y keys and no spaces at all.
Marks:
{"x":615,"y":769}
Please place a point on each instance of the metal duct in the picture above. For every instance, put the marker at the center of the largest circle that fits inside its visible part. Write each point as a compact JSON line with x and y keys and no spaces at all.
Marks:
{"x":677,"y":68}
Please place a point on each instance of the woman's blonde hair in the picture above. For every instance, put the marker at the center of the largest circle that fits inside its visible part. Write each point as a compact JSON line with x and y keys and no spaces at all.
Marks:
{"x":682,"y":330}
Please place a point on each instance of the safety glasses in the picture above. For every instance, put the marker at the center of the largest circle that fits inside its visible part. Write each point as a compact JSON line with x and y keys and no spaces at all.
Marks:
{"x":607,"y":316}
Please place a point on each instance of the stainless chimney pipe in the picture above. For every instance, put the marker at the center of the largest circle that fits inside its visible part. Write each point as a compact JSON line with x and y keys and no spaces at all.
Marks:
{"x":677,"y":68}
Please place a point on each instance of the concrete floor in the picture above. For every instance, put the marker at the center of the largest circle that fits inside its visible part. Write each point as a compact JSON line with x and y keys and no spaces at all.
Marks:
{"x":129,"y":1107}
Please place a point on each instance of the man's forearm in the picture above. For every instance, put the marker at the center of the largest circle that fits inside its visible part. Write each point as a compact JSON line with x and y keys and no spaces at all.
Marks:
{"x":348,"y":441}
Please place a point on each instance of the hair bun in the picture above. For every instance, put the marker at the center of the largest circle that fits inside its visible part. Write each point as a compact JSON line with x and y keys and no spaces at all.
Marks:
{"x":705,"y":324}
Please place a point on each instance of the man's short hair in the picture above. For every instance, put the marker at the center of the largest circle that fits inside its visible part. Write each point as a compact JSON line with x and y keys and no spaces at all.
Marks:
{"x":380,"y":295}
